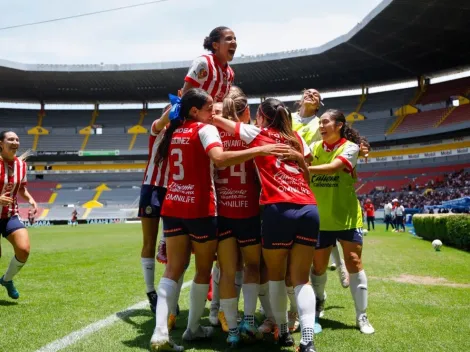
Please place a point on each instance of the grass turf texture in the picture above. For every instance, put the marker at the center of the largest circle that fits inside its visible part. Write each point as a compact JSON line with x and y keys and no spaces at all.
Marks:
{"x":77,"y":276}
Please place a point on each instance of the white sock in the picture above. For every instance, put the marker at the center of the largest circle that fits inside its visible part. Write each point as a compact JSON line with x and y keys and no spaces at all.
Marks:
{"x":13,"y":269}
{"x":230,"y":308}
{"x":166,"y":292}
{"x":238,"y":282}
{"x":278,"y":298}
{"x":215,"y":303}
{"x":148,"y":267}
{"x":177,"y":295}
{"x":250,"y":297}
{"x":264,"y":299}
{"x":291,"y":295}
{"x":197,"y":299}
{"x":335,"y":257}
{"x":318,"y":284}
{"x":358,"y":287}
{"x":306,"y":306}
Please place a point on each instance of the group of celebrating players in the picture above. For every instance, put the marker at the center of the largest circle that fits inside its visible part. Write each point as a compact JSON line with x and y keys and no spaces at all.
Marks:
{"x":267,"y":201}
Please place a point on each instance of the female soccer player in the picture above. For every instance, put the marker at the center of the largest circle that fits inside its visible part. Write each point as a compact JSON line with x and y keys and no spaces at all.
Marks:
{"x":290,"y":217}
{"x":13,"y":182}
{"x":239,"y":225}
{"x":212,"y":72}
{"x":332,"y":180}
{"x":152,"y":194}
{"x":189,"y":211}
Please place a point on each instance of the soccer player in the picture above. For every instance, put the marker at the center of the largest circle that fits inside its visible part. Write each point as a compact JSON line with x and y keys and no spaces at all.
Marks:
{"x":13,"y":182}
{"x":370,"y":214}
{"x":290,"y":217}
{"x":212,"y":72}
{"x":333,"y":176}
{"x":31,"y":217}
{"x":193,"y":148}
{"x":399,"y":217}
{"x":239,"y":225}
{"x":152,"y":194}
{"x":306,"y":122}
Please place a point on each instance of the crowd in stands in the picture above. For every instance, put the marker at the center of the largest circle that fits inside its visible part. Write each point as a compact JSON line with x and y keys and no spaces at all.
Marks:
{"x":450,"y":186}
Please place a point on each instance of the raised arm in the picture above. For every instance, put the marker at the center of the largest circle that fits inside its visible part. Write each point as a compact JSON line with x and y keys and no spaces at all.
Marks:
{"x":223,"y":158}
{"x":327,"y":169}
{"x":225,"y":124}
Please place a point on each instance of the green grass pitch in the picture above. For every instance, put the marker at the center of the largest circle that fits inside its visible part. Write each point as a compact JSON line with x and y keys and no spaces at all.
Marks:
{"x":77,"y":276}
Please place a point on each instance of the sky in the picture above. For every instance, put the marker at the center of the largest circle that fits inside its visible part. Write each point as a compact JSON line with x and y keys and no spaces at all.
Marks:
{"x":172,"y":30}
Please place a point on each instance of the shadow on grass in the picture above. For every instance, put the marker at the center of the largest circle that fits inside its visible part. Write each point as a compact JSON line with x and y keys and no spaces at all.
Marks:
{"x":7,"y":303}
{"x":335,"y":325}
{"x":217,"y":343}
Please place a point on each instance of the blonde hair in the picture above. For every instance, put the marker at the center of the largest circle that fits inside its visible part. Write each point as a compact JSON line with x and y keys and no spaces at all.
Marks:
{"x":235,"y":104}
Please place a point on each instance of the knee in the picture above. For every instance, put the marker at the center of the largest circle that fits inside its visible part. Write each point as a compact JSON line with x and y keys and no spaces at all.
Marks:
{"x":353,"y":262}
{"x":22,"y":253}
{"x":173,"y":271}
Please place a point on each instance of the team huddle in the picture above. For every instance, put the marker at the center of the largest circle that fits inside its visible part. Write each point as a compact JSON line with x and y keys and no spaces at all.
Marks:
{"x":261,"y":205}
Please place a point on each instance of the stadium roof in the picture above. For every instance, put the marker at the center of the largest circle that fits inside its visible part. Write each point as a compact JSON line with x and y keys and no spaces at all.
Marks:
{"x":399,"y":40}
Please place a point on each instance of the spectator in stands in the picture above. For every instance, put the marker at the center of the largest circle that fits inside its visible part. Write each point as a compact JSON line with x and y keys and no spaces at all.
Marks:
{"x":13,"y":171}
{"x":388,"y":216}
{"x":370,"y":214}
{"x":212,"y":72}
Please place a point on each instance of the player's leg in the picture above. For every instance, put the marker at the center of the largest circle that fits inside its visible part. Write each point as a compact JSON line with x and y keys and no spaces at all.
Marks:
{"x":248,"y":234}
{"x":204,"y":243}
{"x":227,"y":255}
{"x":215,"y":302}
{"x":17,"y":235}
{"x":342,"y":272}
{"x":292,"y":315}
{"x":301,"y":258}
{"x":318,"y":276}
{"x":351,"y":241}
{"x":373,"y":222}
{"x":178,"y":249}
{"x":268,"y":324}
{"x":278,"y":237}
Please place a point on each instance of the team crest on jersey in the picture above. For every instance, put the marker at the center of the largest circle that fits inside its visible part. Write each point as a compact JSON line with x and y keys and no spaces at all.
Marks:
{"x":202,"y":73}
{"x":148,"y":210}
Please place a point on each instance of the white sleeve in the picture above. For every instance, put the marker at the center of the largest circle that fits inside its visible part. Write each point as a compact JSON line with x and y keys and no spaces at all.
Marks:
{"x":198,"y":72}
{"x":247,"y":133}
{"x":210,"y":137}
{"x":349,"y":156}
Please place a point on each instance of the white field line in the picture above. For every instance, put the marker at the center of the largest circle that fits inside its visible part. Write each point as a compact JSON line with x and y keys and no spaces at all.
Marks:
{"x":75,"y":336}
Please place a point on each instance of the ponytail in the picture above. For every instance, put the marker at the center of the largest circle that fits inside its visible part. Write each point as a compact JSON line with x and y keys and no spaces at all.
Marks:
{"x":162,"y":151}
{"x":229,"y":110}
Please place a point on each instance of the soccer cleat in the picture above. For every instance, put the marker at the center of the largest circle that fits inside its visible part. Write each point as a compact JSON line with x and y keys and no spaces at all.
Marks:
{"x":317,"y":327}
{"x":249,"y":333}
{"x":267,"y":326}
{"x":364,"y":325}
{"x":214,"y":316}
{"x":284,"y":340}
{"x":161,"y":254}
{"x":320,"y":307}
{"x":11,"y":289}
{"x":202,"y":333}
{"x":233,"y":340}
{"x":153,"y":298}
{"x":293,"y":321}
{"x":343,"y":275}
{"x":310,"y":347}
{"x":164,"y":345}
{"x":223,"y":321}
{"x":171,"y":322}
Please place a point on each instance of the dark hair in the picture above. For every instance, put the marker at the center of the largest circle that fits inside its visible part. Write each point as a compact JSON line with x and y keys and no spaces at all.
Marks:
{"x":214,"y":37}
{"x":235,"y":104}
{"x":280,"y":118}
{"x":194,"y":97}
{"x":346,"y":131}
{"x":23,"y":156}
{"x":299,"y":103}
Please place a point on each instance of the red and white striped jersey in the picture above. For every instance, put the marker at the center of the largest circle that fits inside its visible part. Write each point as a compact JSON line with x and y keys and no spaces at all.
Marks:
{"x":282,"y":181}
{"x":237,"y":185}
{"x":207,"y":73}
{"x":156,"y":175}
{"x":12,"y":177}
{"x":191,"y":190}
